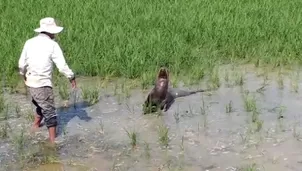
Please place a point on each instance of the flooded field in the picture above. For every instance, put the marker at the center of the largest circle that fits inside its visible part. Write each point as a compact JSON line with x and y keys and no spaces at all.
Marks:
{"x":250,"y":122}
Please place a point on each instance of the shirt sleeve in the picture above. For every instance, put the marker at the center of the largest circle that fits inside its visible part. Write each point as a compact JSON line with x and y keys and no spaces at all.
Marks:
{"x":59,"y":60}
{"x":22,"y":60}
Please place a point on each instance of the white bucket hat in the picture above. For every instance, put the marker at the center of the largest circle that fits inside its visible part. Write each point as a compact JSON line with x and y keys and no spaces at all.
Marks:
{"x":48,"y":25}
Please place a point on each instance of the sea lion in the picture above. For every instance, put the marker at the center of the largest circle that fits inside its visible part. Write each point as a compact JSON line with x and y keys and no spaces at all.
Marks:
{"x":157,"y":98}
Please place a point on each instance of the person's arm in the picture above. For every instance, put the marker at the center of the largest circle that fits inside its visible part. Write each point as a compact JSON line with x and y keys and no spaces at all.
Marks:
{"x":22,"y":62}
{"x":59,"y":59}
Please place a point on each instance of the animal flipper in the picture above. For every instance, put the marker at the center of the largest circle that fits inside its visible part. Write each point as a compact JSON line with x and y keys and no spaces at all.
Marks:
{"x":181,"y":93}
{"x":198,"y":91}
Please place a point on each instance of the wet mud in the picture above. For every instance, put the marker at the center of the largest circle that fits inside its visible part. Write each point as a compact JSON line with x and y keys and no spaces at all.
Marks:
{"x":207,"y":131}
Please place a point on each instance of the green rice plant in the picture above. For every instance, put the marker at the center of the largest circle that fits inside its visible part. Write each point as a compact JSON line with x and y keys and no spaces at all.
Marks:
{"x":147,"y":150}
{"x":90,"y":95}
{"x":123,"y":86}
{"x":281,"y":112}
{"x":280,"y":81}
{"x":227,"y":76}
{"x":204,"y":114}
{"x":214,"y":78}
{"x":259,"y":125}
{"x":257,"y":63}
{"x":190,"y":110}
{"x":251,"y":167}
{"x":203,"y":107}
{"x":127,"y":92}
{"x":115,"y":88}
{"x":4,"y":128}
{"x":19,"y":142}
{"x":149,"y":108}
{"x":152,"y":109}
{"x":205,"y":121}
{"x":244,"y":137}
{"x":31,"y":155}
{"x":12,"y":83}
{"x":133,"y":138}
{"x":295,"y":82}
{"x":63,"y":90}
{"x":135,"y":41}
{"x":296,"y":134}
{"x":147,"y":80}
{"x":64,"y":130}
{"x":255,"y":115}
{"x":173,"y":81}
{"x":29,"y":116}
{"x":18,"y":111}
{"x":229,"y":107}
{"x":239,"y":79}
{"x":130,"y":110}
{"x":4,"y":115}
{"x":102,"y":127}
{"x":249,"y":102}
{"x":176,"y":116}
{"x":163,"y":133}
{"x":198,"y":73}
{"x":2,"y":103}
{"x":182,"y":147}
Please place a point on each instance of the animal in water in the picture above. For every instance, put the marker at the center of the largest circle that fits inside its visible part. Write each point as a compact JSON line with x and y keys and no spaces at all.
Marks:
{"x":157,"y":97}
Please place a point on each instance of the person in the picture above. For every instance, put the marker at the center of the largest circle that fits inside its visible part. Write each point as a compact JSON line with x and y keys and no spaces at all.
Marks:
{"x":36,"y":65}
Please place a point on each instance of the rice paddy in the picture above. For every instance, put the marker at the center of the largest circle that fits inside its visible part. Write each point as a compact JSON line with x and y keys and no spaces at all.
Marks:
{"x":246,"y":52}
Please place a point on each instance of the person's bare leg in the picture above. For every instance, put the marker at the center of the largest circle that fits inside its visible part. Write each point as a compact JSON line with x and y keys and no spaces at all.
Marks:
{"x":36,"y":124}
{"x":52,"y":134}
{"x":37,"y":120}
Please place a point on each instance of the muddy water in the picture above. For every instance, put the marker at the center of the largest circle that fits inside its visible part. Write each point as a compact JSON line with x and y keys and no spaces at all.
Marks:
{"x":203,"y":136}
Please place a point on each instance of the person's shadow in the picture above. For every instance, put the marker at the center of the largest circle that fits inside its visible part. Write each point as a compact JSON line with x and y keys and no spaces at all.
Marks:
{"x":65,"y":114}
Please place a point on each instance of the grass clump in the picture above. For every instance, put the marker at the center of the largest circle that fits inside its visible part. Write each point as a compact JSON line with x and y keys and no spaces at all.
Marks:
{"x":249,"y":102}
{"x":90,"y":95}
{"x":4,"y":128}
{"x":229,"y":107}
{"x":163,"y":133}
{"x":150,"y":108}
{"x":130,"y":38}
{"x":3,"y":108}
{"x":2,"y":103}
{"x":30,"y":154}
{"x":214,"y":79}
{"x":4,"y":113}
{"x":295,"y":82}
{"x":250,"y":167}
{"x":239,"y":79}
{"x":147,"y":150}
{"x":63,"y":90}
{"x":29,"y":116}
{"x":133,"y":138}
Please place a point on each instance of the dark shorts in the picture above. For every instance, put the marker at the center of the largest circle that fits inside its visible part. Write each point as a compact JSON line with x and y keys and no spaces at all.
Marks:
{"x":43,"y":99}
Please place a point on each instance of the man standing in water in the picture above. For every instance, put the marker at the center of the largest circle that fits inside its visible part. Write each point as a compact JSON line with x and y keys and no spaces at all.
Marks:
{"x":36,"y":65}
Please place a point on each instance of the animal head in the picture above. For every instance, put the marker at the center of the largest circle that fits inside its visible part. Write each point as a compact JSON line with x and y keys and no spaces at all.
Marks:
{"x":163,"y":73}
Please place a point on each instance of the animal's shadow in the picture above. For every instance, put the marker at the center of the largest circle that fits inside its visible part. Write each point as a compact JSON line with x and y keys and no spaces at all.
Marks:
{"x":65,"y":114}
